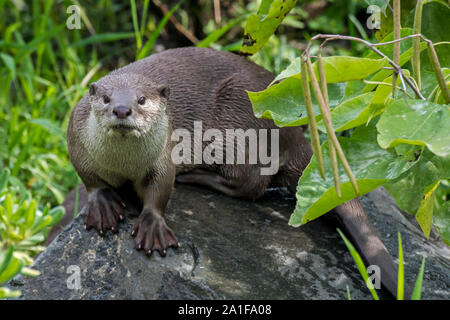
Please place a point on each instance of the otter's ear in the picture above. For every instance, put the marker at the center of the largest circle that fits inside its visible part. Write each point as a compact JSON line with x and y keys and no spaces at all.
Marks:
{"x":92,"y":88}
{"x":163,"y":91}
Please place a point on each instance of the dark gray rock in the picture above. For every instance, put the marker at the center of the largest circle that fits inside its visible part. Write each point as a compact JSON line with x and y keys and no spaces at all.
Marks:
{"x":231,"y":249}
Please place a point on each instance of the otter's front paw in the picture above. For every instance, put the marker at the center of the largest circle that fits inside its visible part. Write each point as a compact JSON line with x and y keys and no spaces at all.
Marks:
{"x":105,"y":211}
{"x":152,"y":233}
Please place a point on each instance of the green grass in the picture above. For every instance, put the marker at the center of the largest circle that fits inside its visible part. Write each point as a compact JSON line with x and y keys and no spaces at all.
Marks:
{"x":45,"y":69}
{"x":416,"y":294}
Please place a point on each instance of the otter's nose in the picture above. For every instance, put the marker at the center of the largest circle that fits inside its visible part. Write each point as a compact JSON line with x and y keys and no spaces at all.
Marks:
{"x":121,"y":112}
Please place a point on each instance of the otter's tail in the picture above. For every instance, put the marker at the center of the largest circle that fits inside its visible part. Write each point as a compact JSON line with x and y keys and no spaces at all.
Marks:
{"x":356,"y":222}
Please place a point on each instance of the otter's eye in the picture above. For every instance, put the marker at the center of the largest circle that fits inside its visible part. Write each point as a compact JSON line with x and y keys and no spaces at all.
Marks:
{"x":141,"y":100}
{"x":106,"y":99}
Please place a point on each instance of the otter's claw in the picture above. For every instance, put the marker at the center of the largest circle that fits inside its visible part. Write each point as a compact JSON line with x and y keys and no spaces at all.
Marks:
{"x":152,"y":234}
{"x":105,"y":211}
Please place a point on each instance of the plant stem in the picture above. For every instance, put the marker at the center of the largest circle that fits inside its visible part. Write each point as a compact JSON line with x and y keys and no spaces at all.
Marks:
{"x":323,"y":86}
{"x":415,"y":59}
{"x":329,"y":126}
{"x":315,"y":142}
{"x":438,"y":72}
{"x":372,"y":47}
{"x":397,"y":28}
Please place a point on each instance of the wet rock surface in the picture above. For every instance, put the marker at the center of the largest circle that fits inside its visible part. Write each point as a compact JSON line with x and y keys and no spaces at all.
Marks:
{"x":231,"y":249}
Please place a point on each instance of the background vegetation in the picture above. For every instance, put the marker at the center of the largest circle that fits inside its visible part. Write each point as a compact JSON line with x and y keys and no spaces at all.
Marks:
{"x":45,"y":69}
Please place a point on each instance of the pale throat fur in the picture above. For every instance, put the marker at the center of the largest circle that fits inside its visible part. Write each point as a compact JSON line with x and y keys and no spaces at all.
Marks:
{"x":118,"y":157}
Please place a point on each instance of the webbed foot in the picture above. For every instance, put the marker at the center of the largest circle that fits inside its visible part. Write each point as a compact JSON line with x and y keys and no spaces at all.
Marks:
{"x":152,"y":233}
{"x":104,"y":212}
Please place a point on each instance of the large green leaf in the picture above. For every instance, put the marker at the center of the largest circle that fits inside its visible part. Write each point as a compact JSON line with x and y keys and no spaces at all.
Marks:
{"x":344,"y":114}
{"x":409,"y":188}
{"x":429,"y":82}
{"x":259,"y":27}
{"x":371,"y":165}
{"x":380,"y":101}
{"x":339,"y":68}
{"x":416,"y":122}
{"x":283,"y":102}
{"x":441,"y":220}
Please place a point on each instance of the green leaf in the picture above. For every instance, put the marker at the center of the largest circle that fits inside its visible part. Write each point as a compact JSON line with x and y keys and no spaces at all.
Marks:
{"x":388,"y":49}
{"x":284,"y":103}
{"x":4,"y":175}
{"x":345,"y":68}
{"x":51,"y":127}
{"x":30,"y":214}
{"x":7,"y":293}
{"x":5,"y":258}
{"x":292,"y":70}
{"x":344,"y":114}
{"x":441,"y":220}
{"x":3,"y":216}
{"x":429,"y":82}
{"x":264,"y":6}
{"x":32,"y":240}
{"x":339,"y":68}
{"x":8,"y":206}
{"x":45,"y":221}
{"x":103,"y":37}
{"x":425,"y":213}
{"x":416,"y":122}
{"x":418,"y":286}
{"x":364,"y":113}
{"x":371,"y":165}
{"x":10,"y":64}
{"x":13,"y":268}
{"x":30,"y":272}
{"x":56,"y":214}
{"x":259,"y":27}
{"x":359,"y":264}
{"x":409,"y":188}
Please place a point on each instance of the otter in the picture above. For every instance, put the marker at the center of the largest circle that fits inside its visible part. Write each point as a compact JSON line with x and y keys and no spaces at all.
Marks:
{"x":120,"y":132}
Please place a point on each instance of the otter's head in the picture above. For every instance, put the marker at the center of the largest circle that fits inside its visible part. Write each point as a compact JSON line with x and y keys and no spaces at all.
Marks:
{"x":127,"y":104}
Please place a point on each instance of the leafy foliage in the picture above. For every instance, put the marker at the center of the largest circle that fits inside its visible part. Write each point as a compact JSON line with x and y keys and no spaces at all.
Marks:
{"x":372,"y":165}
{"x":416,"y":122}
{"x":22,"y":230}
{"x":259,"y":27}
{"x":398,"y":141}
